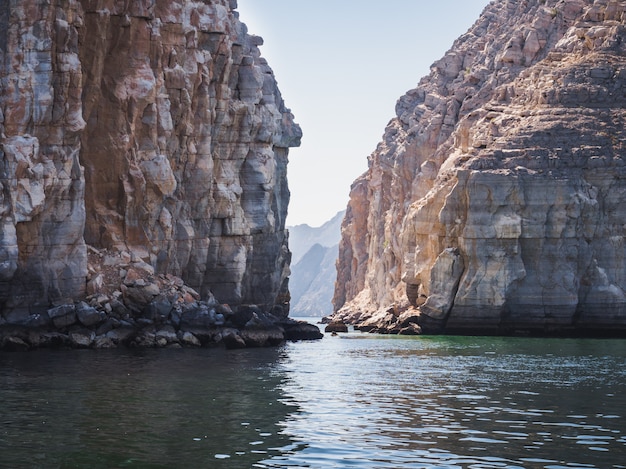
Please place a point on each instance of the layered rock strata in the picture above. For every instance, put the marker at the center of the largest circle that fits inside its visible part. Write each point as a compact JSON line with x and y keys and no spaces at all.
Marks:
{"x":495,"y":202}
{"x":149,"y":127}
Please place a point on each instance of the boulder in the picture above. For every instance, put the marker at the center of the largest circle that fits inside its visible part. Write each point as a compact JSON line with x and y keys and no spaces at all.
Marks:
{"x":121,"y":335}
{"x":336,"y":326}
{"x":242,"y":314}
{"x":89,"y":316}
{"x":300,"y":330}
{"x":190,"y":340}
{"x":63,"y":315}
{"x":233,"y":341}
{"x":264,"y":337}
{"x":81,"y":338}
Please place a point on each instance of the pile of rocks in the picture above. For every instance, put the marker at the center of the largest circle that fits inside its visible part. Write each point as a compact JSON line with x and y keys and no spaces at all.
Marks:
{"x":129,"y":305}
{"x":393,"y":320}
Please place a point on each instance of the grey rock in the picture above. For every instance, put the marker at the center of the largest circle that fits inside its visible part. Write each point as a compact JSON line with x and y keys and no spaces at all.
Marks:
{"x":168,"y":334}
{"x":189,"y":339}
{"x":89,"y":316}
{"x":198,"y":317}
{"x":63,"y":316}
{"x":82,"y":338}
{"x":121,"y":335}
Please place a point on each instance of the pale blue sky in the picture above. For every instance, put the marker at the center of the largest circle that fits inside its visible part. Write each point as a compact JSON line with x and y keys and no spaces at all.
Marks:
{"x":341,"y":65}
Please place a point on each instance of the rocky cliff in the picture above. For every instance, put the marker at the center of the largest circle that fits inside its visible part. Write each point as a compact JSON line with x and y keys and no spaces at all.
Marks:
{"x":152,"y":129}
{"x":496,"y":201}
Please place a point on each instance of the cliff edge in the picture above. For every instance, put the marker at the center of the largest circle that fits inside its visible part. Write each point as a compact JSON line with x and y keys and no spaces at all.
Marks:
{"x":496,"y":201}
{"x":151,"y":131}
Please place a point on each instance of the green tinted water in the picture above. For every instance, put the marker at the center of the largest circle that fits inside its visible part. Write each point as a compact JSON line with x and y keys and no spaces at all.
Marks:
{"x":348,"y":401}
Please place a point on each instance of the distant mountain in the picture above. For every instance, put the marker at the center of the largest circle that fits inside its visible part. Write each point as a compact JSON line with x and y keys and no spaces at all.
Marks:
{"x":313,"y":271}
{"x":303,"y":237}
{"x":312,"y":282}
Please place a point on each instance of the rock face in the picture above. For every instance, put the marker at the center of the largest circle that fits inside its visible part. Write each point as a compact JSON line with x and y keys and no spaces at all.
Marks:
{"x":151,"y":126}
{"x":496,"y":201}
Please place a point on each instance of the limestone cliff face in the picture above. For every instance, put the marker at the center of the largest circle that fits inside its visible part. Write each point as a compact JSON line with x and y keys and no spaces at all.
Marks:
{"x":496,"y":200}
{"x":152,"y":126}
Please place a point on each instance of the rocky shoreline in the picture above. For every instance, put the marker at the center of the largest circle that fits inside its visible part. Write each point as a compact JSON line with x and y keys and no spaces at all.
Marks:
{"x":129,"y":305}
{"x":412,"y":321}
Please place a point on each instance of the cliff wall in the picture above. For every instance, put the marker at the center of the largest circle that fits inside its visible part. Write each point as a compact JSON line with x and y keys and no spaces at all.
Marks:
{"x":495,"y":202}
{"x":150,"y":127}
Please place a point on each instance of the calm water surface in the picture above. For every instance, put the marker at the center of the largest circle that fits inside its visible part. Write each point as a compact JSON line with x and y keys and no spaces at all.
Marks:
{"x":350,"y":401}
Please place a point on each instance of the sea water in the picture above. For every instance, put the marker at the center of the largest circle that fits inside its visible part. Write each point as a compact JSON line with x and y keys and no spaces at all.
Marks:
{"x":353,"y":400}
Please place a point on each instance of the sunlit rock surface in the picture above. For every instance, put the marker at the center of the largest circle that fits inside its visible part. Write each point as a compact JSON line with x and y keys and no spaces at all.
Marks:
{"x":496,"y":201}
{"x":152,"y":127}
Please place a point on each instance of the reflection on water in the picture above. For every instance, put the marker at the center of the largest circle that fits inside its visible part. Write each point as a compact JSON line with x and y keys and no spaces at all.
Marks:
{"x":349,"y":401}
{"x":149,"y":408}
{"x":451,"y":402}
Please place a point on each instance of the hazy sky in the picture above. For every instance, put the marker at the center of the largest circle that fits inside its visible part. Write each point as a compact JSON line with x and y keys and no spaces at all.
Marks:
{"x":341,"y":65}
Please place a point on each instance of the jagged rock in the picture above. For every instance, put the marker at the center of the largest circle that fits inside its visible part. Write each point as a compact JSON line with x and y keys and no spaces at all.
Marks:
{"x":241,"y":315}
{"x":168,"y":334}
{"x":121,"y":335}
{"x":89,"y":316}
{"x":198,"y":317}
{"x":153,"y":129}
{"x":411,"y":329}
{"x":145,"y":338}
{"x":82,"y":338}
{"x":158,"y":310}
{"x":233,"y":341}
{"x":496,"y":200}
{"x":63,"y":315}
{"x":190,"y":340}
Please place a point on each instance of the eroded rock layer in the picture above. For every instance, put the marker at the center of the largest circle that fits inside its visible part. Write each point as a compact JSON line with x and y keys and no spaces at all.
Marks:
{"x":152,"y":127}
{"x":495,"y":202}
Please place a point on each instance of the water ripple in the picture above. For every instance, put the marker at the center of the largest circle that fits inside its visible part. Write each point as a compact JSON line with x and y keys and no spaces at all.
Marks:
{"x":444,"y":403}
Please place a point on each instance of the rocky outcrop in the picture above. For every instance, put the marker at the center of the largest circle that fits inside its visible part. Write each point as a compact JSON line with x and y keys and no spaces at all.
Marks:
{"x":148,"y":127}
{"x":495,"y":202}
{"x":129,"y":304}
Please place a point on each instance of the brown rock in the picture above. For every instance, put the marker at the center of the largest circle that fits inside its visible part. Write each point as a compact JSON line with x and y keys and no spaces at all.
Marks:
{"x":336,"y":326}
